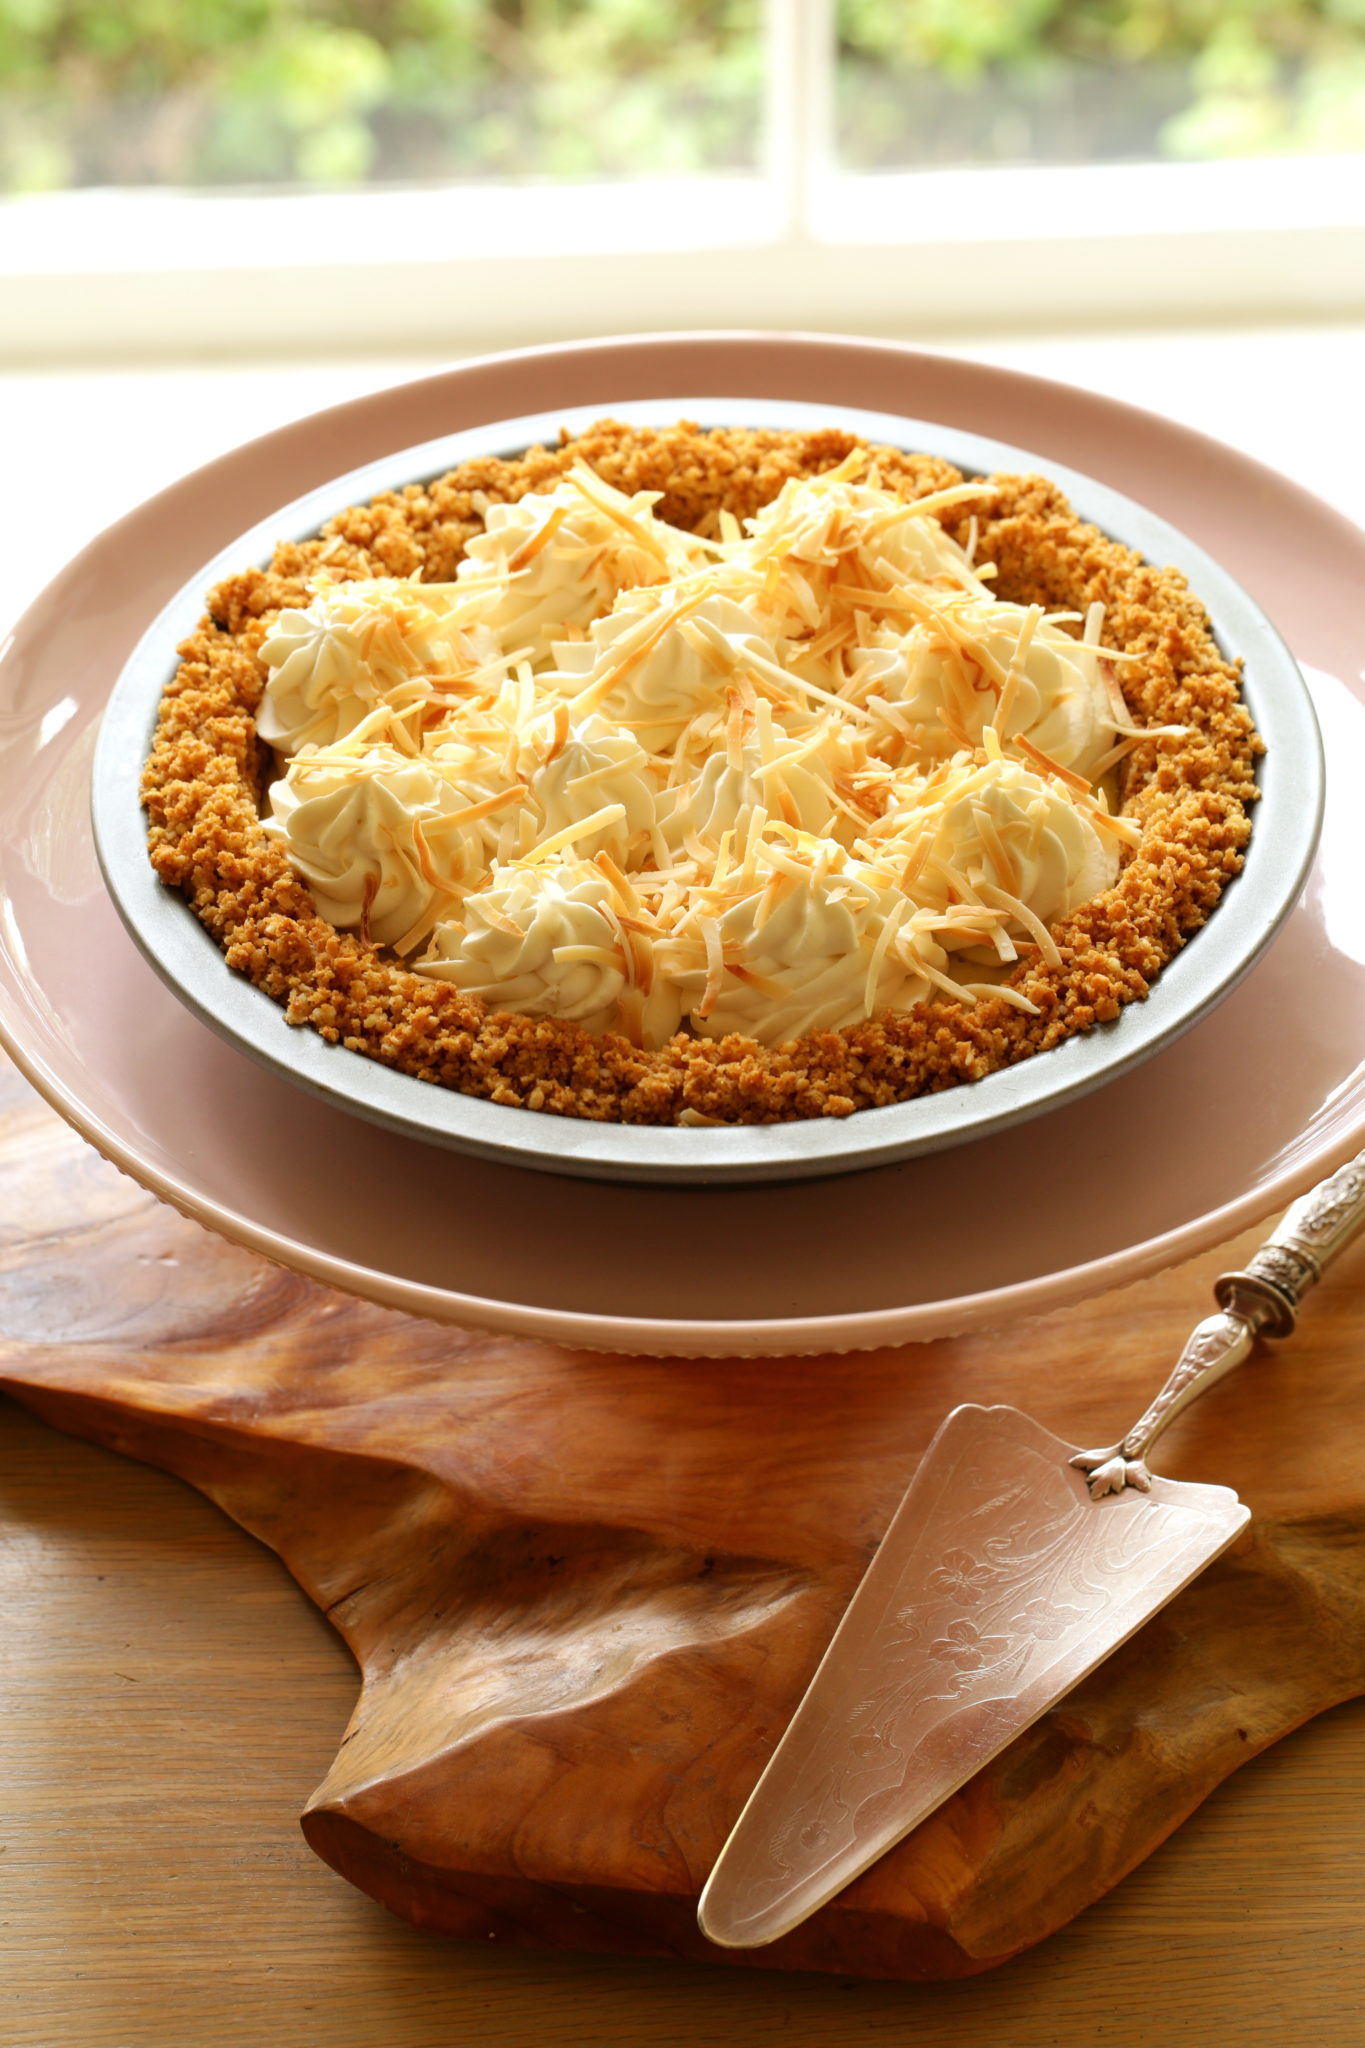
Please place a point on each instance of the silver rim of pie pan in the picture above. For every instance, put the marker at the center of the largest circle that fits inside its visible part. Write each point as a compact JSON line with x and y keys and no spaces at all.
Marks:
{"x":1285,"y":827}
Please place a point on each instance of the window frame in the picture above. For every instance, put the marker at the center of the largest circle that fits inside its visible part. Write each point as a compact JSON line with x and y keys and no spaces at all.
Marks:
{"x":120,"y":275}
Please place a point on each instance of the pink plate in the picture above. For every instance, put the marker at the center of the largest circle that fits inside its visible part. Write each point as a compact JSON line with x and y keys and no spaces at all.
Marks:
{"x":1228,"y":1123}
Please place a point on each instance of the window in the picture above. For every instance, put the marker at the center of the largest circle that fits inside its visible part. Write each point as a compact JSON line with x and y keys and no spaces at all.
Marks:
{"x":1011,"y":82}
{"x":288,"y":93}
{"x":281,"y":174}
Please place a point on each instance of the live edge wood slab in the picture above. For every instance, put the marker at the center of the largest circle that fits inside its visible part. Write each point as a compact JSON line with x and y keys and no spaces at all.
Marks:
{"x":585,"y":1592}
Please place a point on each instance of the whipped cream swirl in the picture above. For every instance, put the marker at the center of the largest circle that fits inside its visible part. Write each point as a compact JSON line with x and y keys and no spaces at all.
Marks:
{"x":664,"y":659}
{"x":596,"y":767}
{"x":365,"y":833}
{"x":1030,"y":681}
{"x":809,"y":950}
{"x":997,"y":851}
{"x":540,"y":939}
{"x":358,"y":647}
{"x":560,"y":558}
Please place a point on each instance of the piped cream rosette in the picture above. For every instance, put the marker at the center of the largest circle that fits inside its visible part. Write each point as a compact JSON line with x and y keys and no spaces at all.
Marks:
{"x":549,"y":940}
{"x":772,"y":782}
{"x":359,"y":647}
{"x":559,"y":559}
{"x":380,"y":837}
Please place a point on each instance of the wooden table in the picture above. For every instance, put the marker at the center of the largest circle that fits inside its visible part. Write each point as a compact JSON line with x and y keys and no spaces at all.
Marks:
{"x":169,"y":1699}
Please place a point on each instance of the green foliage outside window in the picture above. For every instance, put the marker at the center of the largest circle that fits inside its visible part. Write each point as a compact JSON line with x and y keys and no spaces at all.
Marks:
{"x":270,"y":92}
{"x":337,"y":92}
{"x":1076,"y":81}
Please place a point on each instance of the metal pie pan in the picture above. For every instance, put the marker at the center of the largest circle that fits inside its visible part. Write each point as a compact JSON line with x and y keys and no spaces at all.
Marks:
{"x":1286,"y":824}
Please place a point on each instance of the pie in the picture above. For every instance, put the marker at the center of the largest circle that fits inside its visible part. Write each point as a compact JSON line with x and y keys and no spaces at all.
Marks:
{"x":672,"y":776}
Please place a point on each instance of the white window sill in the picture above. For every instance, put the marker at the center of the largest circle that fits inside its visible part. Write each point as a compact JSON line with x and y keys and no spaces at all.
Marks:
{"x":97,"y":275}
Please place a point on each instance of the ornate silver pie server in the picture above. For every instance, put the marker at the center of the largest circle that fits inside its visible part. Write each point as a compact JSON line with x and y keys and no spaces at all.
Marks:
{"x":1013,"y":1566}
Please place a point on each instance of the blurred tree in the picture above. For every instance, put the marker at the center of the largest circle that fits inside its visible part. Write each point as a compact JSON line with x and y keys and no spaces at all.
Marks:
{"x":1077,"y":81}
{"x":335,"y":92}
{"x":231,"y":92}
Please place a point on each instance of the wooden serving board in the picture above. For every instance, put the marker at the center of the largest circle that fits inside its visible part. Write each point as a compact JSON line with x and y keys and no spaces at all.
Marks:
{"x":585,"y":1592}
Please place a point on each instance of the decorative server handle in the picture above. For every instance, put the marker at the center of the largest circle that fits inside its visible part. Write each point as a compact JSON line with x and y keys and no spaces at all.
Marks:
{"x":1262,"y":1299}
{"x":1310,"y":1234}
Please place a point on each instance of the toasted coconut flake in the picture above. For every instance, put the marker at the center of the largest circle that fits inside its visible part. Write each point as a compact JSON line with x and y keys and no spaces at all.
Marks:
{"x":785,"y":679}
{"x":534,"y":542}
{"x":601,"y":495}
{"x":595,"y":956}
{"x":984,"y":990}
{"x":366,"y":906}
{"x":762,"y":984}
{"x":1126,"y":830}
{"x":499,"y":920}
{"x":1014,"y":673}
{"x":429,"y":872}
{"x":890,"y":927}
{"x":1049,"y":766}
{"x":996,"y":848}
{"x":420,"y":931}
{"x":559,"y":738}
{"x":569,"y":835}
{"x":619,"y":882}
{"x":715,"y":965}
{"x":486,"y":807}
{"x":1016,"y":908}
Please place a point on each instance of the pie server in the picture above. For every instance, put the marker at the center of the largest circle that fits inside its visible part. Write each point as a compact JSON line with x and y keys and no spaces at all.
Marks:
{"x":1014,"y":1565}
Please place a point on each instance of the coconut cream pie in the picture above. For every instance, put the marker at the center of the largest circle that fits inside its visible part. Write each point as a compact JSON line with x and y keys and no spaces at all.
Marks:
{"x":677,"y":776}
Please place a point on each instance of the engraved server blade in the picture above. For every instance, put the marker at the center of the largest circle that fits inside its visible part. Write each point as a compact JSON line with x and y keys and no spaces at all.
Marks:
{"x":1000,"y":1584}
